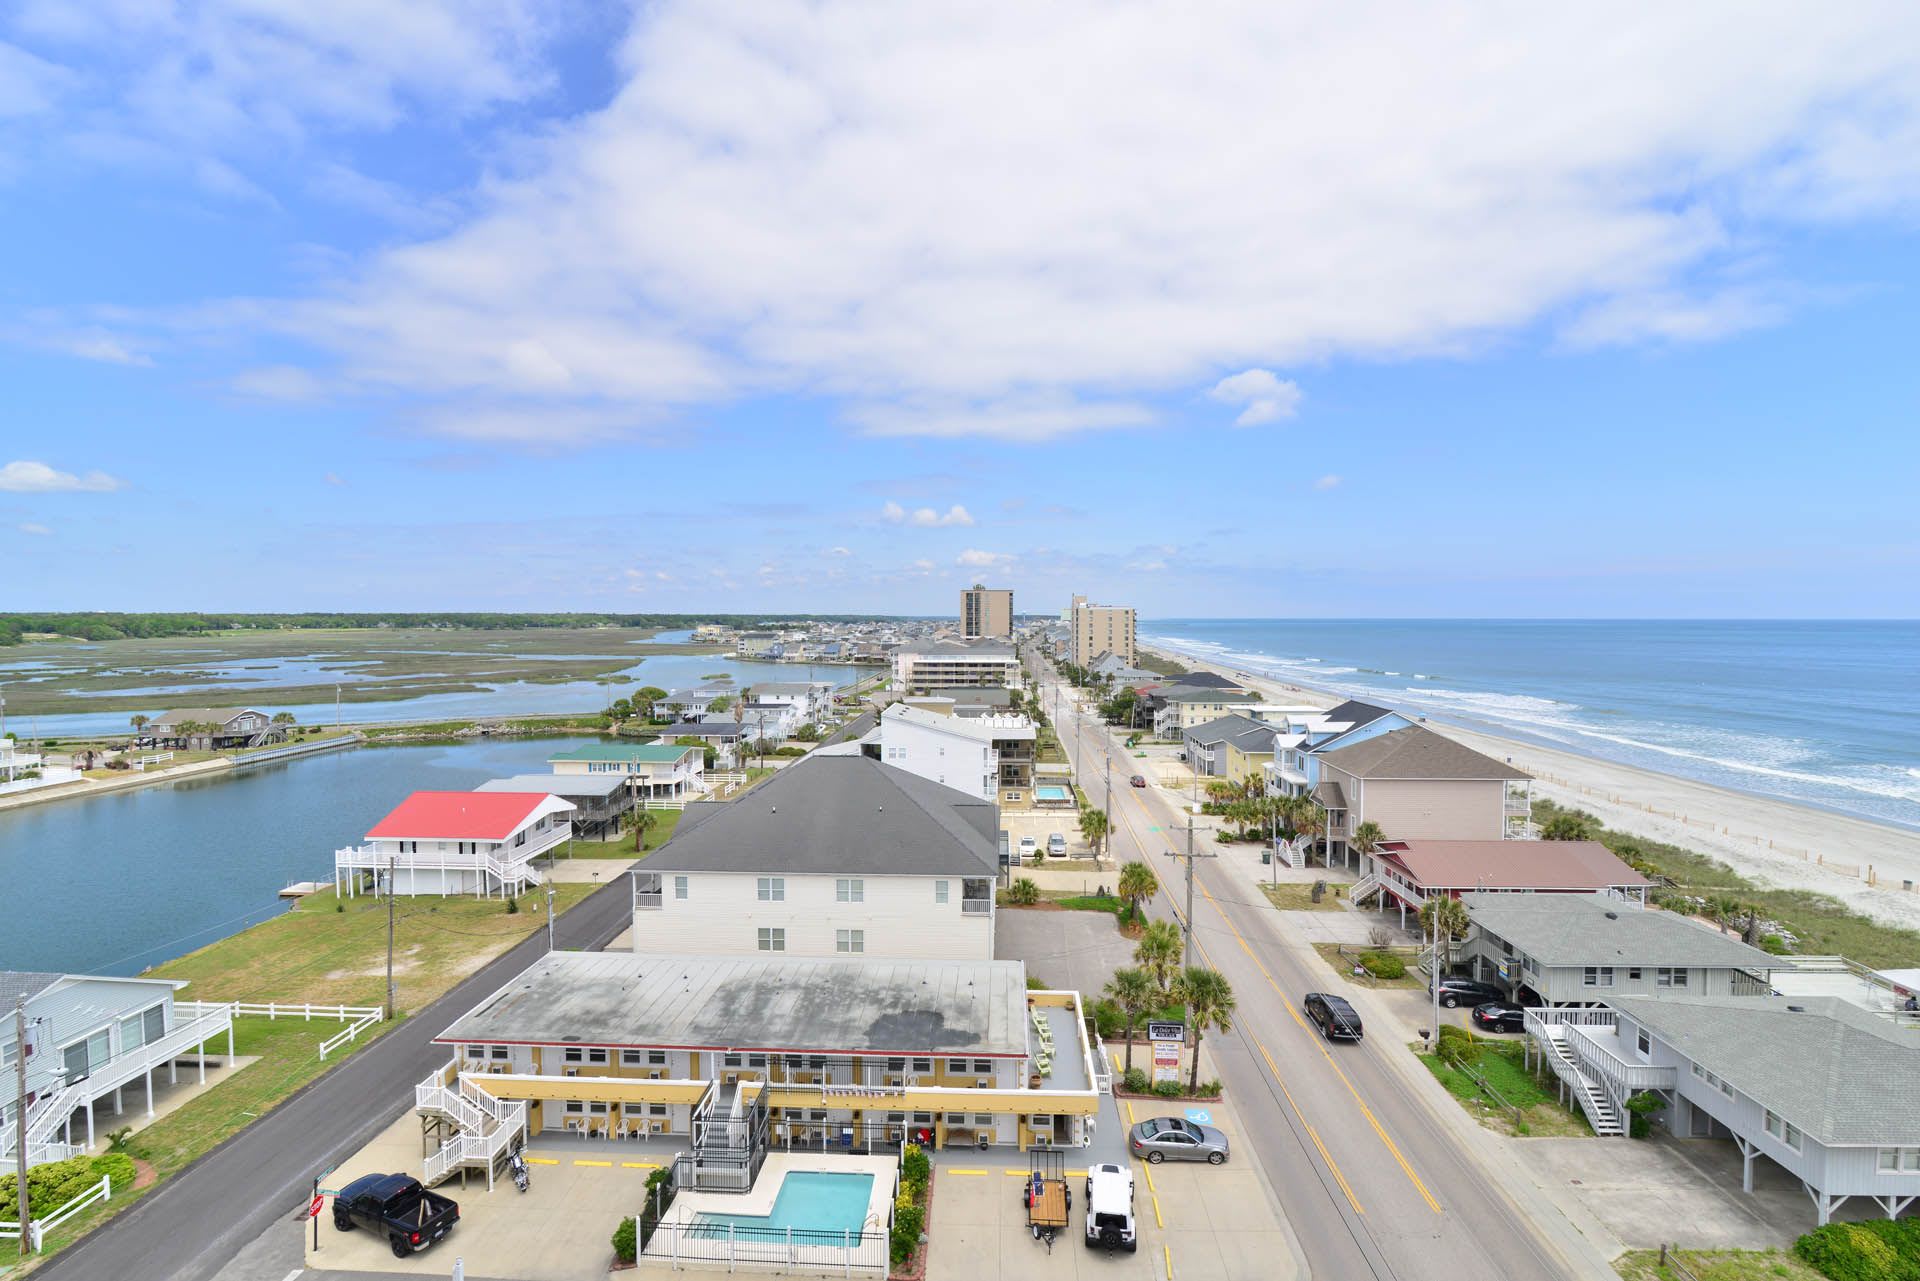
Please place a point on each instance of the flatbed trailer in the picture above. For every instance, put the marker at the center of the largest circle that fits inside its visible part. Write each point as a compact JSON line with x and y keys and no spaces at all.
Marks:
{"x":1048,"y":1200}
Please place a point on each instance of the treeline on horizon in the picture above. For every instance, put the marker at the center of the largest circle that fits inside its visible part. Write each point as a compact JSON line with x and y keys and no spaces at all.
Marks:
{"x":104,"y":626}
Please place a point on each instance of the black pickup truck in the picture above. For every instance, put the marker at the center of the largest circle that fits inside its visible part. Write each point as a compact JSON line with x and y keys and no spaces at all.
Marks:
{"x":395,"y":1205}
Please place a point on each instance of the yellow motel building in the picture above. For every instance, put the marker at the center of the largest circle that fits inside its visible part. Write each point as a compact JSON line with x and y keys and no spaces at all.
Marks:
{"x":738,"y":1054}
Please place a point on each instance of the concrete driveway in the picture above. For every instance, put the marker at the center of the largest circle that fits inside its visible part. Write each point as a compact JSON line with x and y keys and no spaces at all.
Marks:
{"x":560,"y":1229}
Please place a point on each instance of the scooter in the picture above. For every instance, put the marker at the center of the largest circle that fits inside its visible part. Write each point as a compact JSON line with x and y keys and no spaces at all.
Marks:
{"x":517,"y":1166}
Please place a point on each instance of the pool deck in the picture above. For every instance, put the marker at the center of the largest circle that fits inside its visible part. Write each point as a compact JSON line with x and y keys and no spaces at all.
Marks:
{"x":759,"y":1202}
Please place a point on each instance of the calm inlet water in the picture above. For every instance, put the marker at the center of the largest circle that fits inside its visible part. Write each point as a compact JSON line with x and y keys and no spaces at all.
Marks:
{"x":1826,"y":713}
{"x":115,"y":883}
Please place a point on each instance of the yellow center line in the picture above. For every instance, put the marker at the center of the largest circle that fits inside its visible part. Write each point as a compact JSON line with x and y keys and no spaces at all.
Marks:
{"x":1372,"y":1120}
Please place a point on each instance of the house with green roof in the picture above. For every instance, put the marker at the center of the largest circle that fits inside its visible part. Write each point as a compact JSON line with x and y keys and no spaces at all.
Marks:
{"x":656,"y":771}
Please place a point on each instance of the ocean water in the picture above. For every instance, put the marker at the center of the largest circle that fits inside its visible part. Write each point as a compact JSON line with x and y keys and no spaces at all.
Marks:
{"x":1826,"y":713}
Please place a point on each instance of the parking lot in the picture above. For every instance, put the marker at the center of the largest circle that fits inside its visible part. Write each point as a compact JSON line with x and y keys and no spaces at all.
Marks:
{"x":560,"y":1229}
{"x":1193,"y":1220}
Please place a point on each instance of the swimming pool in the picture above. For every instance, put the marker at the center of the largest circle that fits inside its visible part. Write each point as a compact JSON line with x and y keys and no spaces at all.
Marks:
{"x":818,"y":1206}
{"x":1052,"y":792}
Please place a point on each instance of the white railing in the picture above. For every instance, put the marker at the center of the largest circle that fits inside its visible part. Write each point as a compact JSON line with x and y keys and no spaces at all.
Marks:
{"x":512,"y":869}
{"x":1629,"y":1076}
{"x":976,"y":906}
{"x":358,"y":1018}
{"x":1102,"y":1065}
{"x":37,"y":1230}
{"x":484,"y":1125}
{"x":1600,"y":1108}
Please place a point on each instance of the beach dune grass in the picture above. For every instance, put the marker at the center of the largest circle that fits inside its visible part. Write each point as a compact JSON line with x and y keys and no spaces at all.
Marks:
{"x":1715,"y":1265}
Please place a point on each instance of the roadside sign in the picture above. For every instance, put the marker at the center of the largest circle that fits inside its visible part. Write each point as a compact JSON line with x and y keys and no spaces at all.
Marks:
{"x":319,"y":1203}
{"x":1167,"y":1032}
{"x":1166,"y":1061}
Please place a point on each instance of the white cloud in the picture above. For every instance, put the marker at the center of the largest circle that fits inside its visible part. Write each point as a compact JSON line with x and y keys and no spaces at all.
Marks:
{"x":1266,"y":397}
{"x":1671,"y":316}
{"x":839,"y":551}
{"x":38,"y":478}
{"x":277,"y":382}
{"x":29,"y":86}
{"x":924,"y":565}
{"x":974,"y":558}
{"x":893,"y":513}
{"x":29,"y":527}
{"x":927,"y":517}
{"x":1328,"y":481}
{"x":1016,"y":418}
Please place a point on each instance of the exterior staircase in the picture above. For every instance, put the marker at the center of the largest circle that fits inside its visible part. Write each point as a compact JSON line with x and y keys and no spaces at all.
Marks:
{"x":485,"y":1129}
{"x":44,"y":1120}
{"x":1594,"y":1100}
{"x":1364,"y":887}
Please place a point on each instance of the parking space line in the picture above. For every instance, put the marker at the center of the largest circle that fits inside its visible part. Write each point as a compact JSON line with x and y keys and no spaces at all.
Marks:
{"x":601,"y":1164}
{"x":982,"y":1172}
{"x":1167,"y":1250}
{"x":1015,"y":1174}
{"x":639,"y":1165}
{"x":541,"y":1160}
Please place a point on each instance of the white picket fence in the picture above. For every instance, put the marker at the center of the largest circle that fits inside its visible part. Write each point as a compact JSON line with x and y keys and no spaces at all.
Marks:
{"x":358,"y":1018}
{"x":38,"y":1229}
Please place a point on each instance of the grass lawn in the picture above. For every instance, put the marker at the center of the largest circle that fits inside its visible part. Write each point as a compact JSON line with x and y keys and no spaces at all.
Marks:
{"x":659,"y":832}
{"x":1330,"y":953}
{"x":1297,"y":896}
{"x":1541,"y":1115}
{"x":1058,"y":901}
{"x":314,"y":953}
{"x":1716,"y":1265}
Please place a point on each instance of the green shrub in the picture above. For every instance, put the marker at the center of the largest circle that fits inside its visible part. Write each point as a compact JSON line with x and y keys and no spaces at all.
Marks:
{"x":1877,"y":1250}
{"x":52,"y":1185}
{"x":1108,"y":1019}
{"x":1167,"y":1089}
{"x":513,"y":905}
{"x":908,"y":1218}
{"x":1135,"y":1081}
{"x":1383,"y":965}
{"x":1457,"y":1046}
{"x":1640,"y":1110}
{"x":1210,"y":1088}
{"x":626,"y":1240}
{"x":1025,"y":892}
{"x":915,"y":1164}
{"x":116,"y":1166}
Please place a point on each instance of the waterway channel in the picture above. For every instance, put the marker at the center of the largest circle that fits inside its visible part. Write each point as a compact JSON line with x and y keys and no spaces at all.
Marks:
{"x":111,"y":884}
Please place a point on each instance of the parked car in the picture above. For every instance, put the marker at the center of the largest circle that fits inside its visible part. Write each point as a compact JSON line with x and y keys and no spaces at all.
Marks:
{"x":1336,"y":1019}
{"x":1110,"y":1208}
{"x":1500,"y":1016}
{"x":1056,"y":846}
{"x":397,"y":1207}
{"x":1138,"y":780}
{"x":1029,"y":850}
{"x":1457,"y":992}
{"x":1172,"y":1138}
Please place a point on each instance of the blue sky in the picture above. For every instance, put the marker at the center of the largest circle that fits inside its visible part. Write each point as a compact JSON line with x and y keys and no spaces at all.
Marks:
{"x":1269,"y":312}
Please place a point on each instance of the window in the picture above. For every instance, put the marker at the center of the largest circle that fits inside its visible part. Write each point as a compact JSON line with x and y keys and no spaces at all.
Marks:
{"x":773,"y":940}
{"x":1902,"y":1160}
{"x":983,"y":1067}
{"x":956,"y":1065}
{"x":732,"y":1060}
{"x":1598,"y":976}
{"x":756,"y":1060}
{"x":939,"y":891}
{"x":679,"y":887}
{"x":849,"y":940}
{"x":772,"y":889}
{"x":923,"y":1065}
{"x":596,"y":1056}
{"x":575,"y":1105}
{"x":849,"y":889}
{"x":896,"y":1065}
{"x":656,"y":1109}
{"x":1782,"y":1129}
{"x":816,"y":1062}
{"x":571,"y":1056}
{"x":476,"y":1051}
{"x":629,"y":1058}
{"x":502,"y":1052}
{"x":1667,"y":976}
{"x":1633,"y":973}
{"x":1643,"y":1041}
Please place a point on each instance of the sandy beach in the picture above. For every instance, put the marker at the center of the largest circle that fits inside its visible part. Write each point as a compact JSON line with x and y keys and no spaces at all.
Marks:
{"x":1775,"y":842}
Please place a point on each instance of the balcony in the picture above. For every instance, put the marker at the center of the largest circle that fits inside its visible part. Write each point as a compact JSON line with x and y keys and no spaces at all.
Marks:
{"x":976,"y":906}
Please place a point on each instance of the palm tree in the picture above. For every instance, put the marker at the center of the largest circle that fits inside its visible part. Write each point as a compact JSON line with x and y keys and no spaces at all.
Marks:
{"x":1367,"y":837}
{"x":1158,"y":953}
{"x":1137,"y":885}
{"x":139,"y":722}
{"x":1133,"y":991}
{"x":637,"y":820}
{"x":1452,"y":924}
{"x":1568,"y":825}
{"x":1093,"y":826}
{"x":1310,"y":821}
{"x":1210,"y":1004}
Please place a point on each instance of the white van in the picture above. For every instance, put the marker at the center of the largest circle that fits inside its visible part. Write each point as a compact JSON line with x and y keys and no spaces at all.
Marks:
{"x":1029,"y":849}
{"x":1110,"y":1208}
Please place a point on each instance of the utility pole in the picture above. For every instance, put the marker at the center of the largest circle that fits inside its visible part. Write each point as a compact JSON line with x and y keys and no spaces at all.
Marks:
{"x":1106,"y":799}
{"x":1186,"y":955}
{"x":336,"y":708}
{"x":1433,"y":981}
{"x":392,"y":890}
{"x":20,"y":1119}
{"x":549,"y":914}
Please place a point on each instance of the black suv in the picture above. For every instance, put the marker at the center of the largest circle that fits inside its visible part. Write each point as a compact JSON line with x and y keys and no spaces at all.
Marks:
{"x":1456,"y":992}
{"x":1500,"y":1016}
{"x":1337,"y":1020}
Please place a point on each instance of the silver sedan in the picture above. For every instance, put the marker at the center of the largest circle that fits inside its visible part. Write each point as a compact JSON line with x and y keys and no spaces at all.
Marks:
{"x":1172,"y":1138}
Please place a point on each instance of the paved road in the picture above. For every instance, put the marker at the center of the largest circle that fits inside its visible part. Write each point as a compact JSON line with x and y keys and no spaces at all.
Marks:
{"x":852,"y":729}
{"x":196,"y":1221}
{"x":1371,"y":1181}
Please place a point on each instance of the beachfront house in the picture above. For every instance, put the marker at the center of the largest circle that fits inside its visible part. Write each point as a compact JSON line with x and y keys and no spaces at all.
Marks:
{"x":836,"y":855}
{"x":1820,"y":1086}
{"x":990,"y":758}
{"x":1233,"y":748}
{"x":919,"y":666}
{"x":1404,"y":874}
{"x":1415,"y":784}
{"x":88,"y":1039}
{"x":214,"y":729}
{"x":478,"y":843}
{"x":654,"y":771}
{"x":599,"y":801}
{"x":746,"y":1054}
{"x":1296,"y":767}
{"x":1580,"y":949}
{"x":1179,"y":708}
{"x":812,"y":701}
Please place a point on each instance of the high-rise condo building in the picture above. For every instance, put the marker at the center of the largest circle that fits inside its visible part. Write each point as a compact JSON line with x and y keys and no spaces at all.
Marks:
{"x":1101,"y":629}
{"x":986,"y":612}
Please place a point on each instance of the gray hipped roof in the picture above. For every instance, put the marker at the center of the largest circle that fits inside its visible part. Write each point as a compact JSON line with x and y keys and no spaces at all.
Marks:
{"x":1243,"y":732}
{"x":1416,"y":752}
{"x":1591,"y":929}
{"x":1840,"y":1073}
{"x":838,"y":815}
